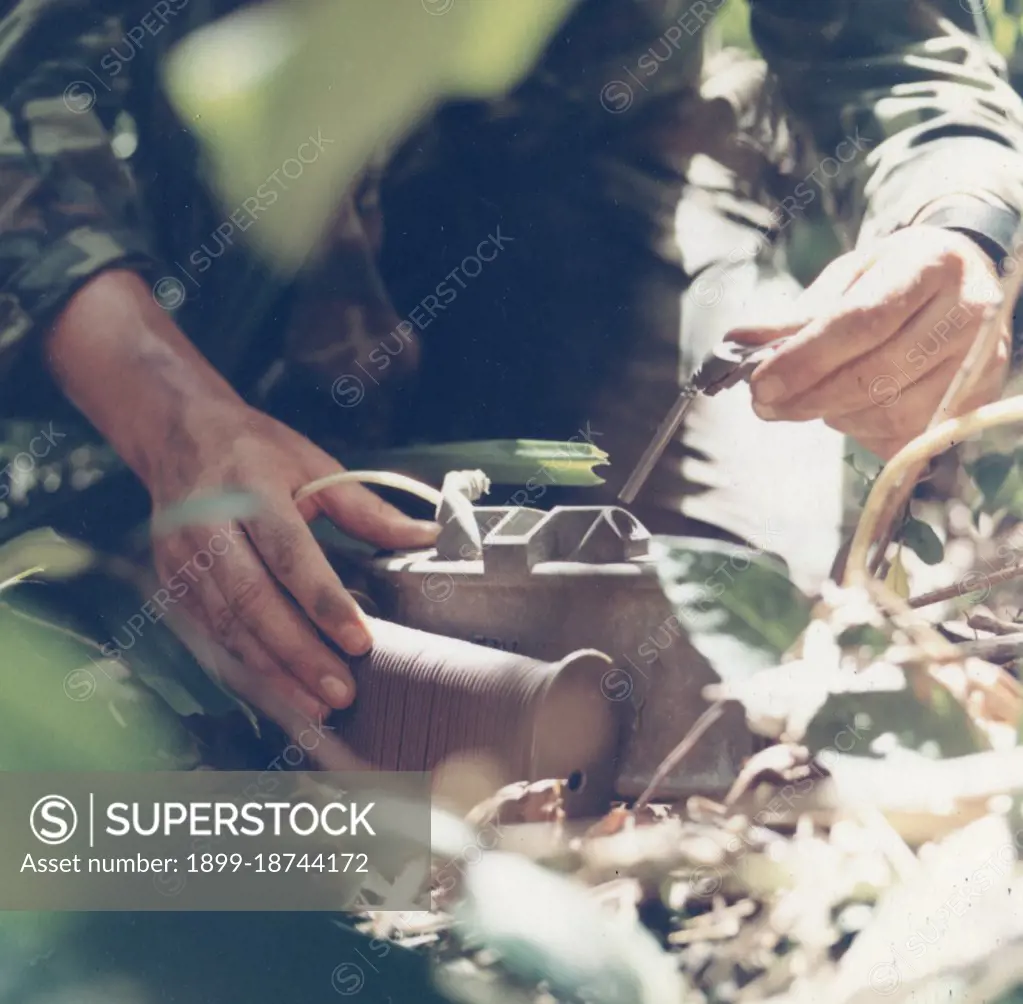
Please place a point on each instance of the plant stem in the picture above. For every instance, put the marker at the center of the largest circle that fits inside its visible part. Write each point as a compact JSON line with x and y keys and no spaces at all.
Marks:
{"x":675,"y":757}
{"x":984,"y":581}
{"x":887,"y":494}
{"x":996,"y":319}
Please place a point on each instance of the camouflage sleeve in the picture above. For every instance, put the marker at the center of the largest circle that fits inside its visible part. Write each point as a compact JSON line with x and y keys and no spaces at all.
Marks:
{"x":911,"y":116}
{"x":67,"y":205}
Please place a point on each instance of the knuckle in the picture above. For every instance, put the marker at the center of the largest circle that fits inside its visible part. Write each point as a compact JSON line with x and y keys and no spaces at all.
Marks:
{"x":282,"y":541}
{"x":225,"y":625}
{"x":301,"y":667}
{"x":904,"y":427}
{"x":249,"y":598}
{"x":328,"y":607}
{"x":865,"y":316}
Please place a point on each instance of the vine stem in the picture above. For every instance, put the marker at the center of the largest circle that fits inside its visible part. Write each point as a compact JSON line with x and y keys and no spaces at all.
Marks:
{"x":891,"y":493}
{"x":910,"y":459}
{"x":956,"y":589}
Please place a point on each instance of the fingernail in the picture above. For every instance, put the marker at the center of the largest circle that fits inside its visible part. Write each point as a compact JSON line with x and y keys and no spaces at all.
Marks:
{"x":769,"y":389}
{"x":765,"y":411}
{"x":426,"y":529}
{"x":337,"y":692}
{"x":355,"y":640}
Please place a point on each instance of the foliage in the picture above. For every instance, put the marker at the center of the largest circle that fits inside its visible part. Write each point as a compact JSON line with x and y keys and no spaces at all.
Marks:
{"x":251,"y":86}
{"x":740,"y":609}
{"x":505,"y":461}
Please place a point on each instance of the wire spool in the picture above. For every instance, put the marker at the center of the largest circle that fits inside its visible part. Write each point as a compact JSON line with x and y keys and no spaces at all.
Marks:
{"x":424,"y":698}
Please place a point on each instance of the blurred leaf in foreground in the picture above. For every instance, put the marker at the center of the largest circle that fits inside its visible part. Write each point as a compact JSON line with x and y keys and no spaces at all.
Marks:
{"x":879,"y":714}
{"x":348,"y":79}
{"x":504,"y":461}
{"x":46,"y":553}
{"x":739,"y":608}
{"x":544,"y":927}
{"x":67,"y":707}
{"x":1000,"y":481}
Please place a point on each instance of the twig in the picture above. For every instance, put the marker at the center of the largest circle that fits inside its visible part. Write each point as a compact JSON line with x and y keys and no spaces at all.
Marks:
{"x":981,"y":621}
{"x":982,"y":580}
{"x":911,"y":464}
{"x":675,"y":757}
{"x":931,"y":642}
{"x":1006,"y":648}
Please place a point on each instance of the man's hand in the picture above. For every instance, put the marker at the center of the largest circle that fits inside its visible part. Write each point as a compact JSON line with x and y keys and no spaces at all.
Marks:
{"x":259,"y":585}
{"x":269,"y":591}
{"x":877,"y":339}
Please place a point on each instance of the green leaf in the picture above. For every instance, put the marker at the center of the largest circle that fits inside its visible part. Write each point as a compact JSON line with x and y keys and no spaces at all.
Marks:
{"x":45,"y":553}
{"x":740,"y":609}
{"x":997,"y":476}
{"x":990,"y":471}
{"x":897,"y":580}
{"x":251,"y":85}
{"x":864,"y":636}
{"x":531,"y":462}
{"x":864,"y":481}
{"x":921,"y":539}
{"x":67,"y":707}
{"x":878,"y":720}
{"x":545,"y":927}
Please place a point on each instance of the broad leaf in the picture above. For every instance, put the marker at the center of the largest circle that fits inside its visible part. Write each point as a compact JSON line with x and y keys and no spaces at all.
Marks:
{"x":534,"y":463}
{"x":67,"y":707}
{"x":546,"y":928}
{"x":45,"y":553}
{"x":921,"y":539}
{"x":874,"y":718}
{"x":1000,"y":481}
{"x":252,"y":86}
{"x":897,"y":580}
{"x":739,"y":607}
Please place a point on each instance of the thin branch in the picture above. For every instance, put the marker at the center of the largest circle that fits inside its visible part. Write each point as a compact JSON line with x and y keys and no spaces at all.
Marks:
{"x":879,"y":509}
{"x":675,"y":757}
{"x":934,"y":645}
{"x":980,"y":580}
{"x":982,"y":621}
{"x":1005,"y":648}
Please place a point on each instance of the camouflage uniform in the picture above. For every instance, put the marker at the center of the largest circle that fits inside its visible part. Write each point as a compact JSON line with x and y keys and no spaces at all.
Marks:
{"x":637,"y":196}
{"x":650,"y":196}
{"x":618,"y":212}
